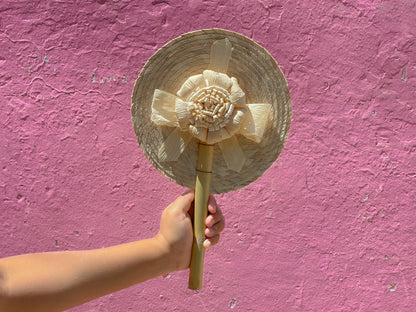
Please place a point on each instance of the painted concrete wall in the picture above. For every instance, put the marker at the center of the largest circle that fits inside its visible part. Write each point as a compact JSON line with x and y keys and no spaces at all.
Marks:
{"x":329,"y":227}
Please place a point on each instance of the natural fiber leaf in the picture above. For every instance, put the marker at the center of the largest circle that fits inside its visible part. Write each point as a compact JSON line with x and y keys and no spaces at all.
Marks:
{"x":220,"y":55}
{"x":163,"y":109}
{"x":232,"y":153}
{"x":174,"y":145}
{"x":256,"y":121}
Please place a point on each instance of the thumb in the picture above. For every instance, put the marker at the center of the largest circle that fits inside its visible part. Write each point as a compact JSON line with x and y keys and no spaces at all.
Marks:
{"x":184,"y":202}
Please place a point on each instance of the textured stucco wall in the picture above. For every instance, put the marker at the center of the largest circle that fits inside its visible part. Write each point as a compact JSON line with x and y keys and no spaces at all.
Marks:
{"x":329,"y":227}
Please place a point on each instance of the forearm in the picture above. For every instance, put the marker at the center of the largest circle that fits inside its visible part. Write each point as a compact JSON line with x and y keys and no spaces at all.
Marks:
{"x":59,"y":280}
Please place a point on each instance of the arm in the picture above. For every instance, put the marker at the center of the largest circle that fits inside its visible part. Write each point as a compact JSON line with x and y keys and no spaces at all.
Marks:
{"x":59,"y":280}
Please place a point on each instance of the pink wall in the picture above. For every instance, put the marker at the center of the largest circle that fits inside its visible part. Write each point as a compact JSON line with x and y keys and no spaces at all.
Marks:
{"x":329,"y":227}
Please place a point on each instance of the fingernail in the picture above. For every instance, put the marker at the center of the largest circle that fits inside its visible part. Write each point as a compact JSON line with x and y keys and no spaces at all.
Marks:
{"x":206,"y":244}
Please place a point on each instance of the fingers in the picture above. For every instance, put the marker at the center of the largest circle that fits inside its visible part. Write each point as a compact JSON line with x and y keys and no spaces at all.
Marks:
{"x":216,"y":229}
{"x":216,"y":213}
{"x":215,"y":223}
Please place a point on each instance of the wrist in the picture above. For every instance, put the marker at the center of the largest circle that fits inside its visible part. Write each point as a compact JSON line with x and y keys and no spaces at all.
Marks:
{"x":167,"y":255}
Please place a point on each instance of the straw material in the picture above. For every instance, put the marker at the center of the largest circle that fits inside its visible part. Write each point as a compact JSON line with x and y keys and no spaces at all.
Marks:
{"x":258,"y":76}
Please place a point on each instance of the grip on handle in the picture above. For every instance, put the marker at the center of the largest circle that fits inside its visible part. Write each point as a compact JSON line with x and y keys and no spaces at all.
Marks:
{"x":202,"y":190}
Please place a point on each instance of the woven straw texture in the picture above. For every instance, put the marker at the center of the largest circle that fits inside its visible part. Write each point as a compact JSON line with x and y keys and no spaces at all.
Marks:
{"x":258,"y":76}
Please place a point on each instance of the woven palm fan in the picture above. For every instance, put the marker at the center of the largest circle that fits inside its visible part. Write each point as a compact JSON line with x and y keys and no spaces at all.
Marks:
{"x":211,"y":111}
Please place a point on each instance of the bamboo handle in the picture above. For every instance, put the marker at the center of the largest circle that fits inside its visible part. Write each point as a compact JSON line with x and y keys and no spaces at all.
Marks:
{"x":202,"y":190}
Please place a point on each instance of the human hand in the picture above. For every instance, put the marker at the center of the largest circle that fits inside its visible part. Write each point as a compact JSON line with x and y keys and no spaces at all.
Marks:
{"x":176,"y":231}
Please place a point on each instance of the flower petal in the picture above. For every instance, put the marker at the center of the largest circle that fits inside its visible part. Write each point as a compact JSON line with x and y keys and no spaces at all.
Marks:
{"x":190,"y":85}
{"x":182,"y":113}
{"x":220,"y":55}
{"x":236,"y":121}
{"x":238,"y":97}
{"x":232,"y":153}
{"x":174,"y":145}
{"x":199,"y":132}
{"x":163,"y":109}
{"x":213,"y":78}
{"x":256,"y":120}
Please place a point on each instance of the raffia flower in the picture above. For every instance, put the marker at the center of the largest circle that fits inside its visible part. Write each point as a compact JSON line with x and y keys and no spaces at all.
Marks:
{"x":211,"y":107}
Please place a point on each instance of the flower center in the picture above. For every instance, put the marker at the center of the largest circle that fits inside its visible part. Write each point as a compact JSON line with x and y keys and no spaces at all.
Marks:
{"x":211,"y":108}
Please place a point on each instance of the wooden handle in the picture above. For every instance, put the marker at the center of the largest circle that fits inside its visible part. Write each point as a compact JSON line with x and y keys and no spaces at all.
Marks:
{"x":202,"y":190}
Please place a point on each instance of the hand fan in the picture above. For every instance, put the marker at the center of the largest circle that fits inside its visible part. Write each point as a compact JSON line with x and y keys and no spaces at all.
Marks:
{"x":211,"y":110}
